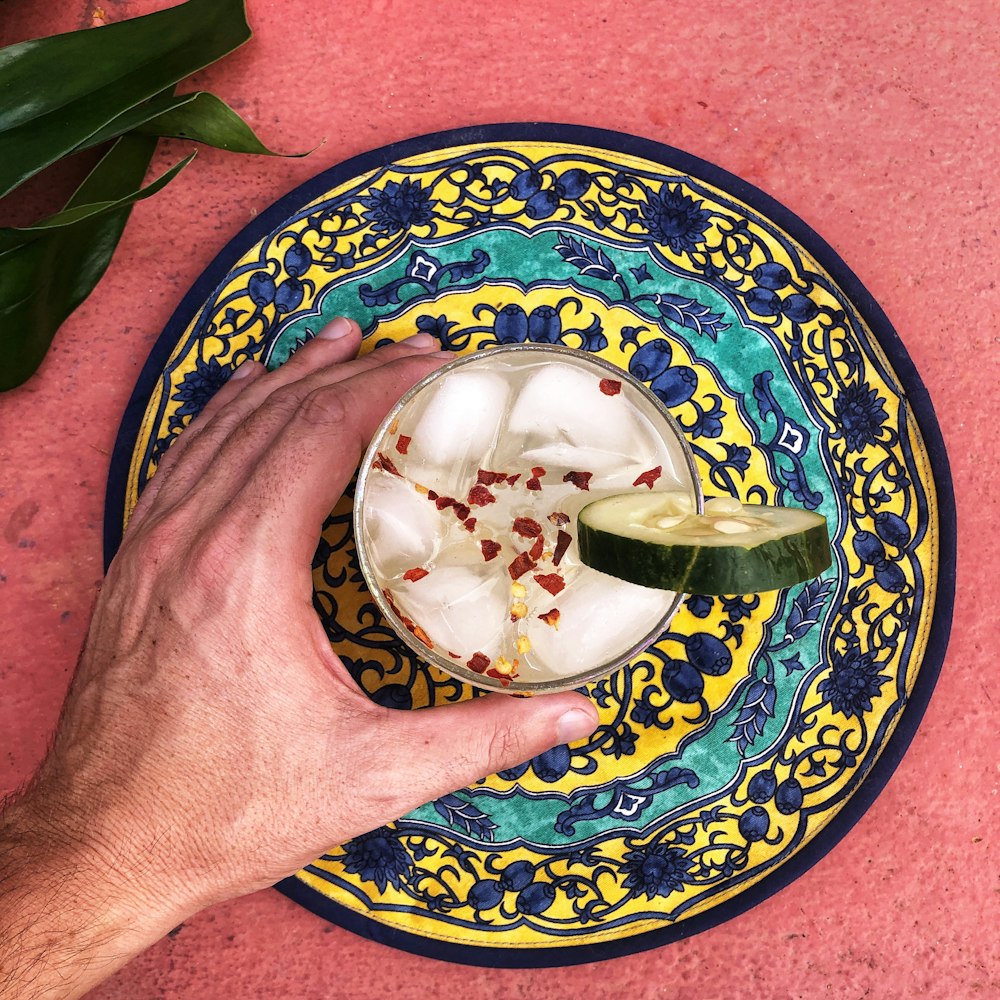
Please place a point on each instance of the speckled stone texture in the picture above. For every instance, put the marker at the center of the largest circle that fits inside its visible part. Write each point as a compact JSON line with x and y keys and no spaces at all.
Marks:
{"x":876,"y":122}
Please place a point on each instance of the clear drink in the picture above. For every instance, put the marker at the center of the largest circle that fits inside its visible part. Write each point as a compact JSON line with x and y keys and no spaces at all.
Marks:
{"x":465,"y":515}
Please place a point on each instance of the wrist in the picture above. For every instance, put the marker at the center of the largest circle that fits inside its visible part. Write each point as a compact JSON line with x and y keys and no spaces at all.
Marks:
{"x":75,"y":906}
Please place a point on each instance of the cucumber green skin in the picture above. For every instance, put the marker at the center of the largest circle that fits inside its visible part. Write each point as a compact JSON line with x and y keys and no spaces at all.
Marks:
{"x":716,"y":570}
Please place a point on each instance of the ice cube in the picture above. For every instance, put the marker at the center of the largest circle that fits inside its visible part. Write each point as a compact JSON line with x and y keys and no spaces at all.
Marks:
{"x":459,"y":424}
{"x":599,"y":619}
{"x":560,"y":403}
{"x":463,"y":609}
{"x":401,"y":525}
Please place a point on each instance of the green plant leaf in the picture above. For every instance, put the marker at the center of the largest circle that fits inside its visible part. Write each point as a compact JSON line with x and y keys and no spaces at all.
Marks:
{"x":200,"y":116}
{"x":57,"y":92}
{"x":47,"y":271}
{"x":210,"y":120}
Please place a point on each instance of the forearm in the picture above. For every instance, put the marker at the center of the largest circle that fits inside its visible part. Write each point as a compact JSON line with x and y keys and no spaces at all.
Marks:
{"x":68,"y":915}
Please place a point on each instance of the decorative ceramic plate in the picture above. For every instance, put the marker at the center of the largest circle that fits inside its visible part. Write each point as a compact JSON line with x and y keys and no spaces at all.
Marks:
{"x":739,"y":748}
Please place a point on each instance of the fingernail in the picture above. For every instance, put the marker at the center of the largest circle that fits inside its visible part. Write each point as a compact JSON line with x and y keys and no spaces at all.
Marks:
{"x":450,"y":355}
{"x":243,"y":369}
{"x":420,"y":340}
{"x":335,"y":329}
{"x":574,"y":725}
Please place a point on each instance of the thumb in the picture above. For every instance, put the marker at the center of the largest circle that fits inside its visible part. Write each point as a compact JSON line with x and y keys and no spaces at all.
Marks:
{"x":443,"y":749}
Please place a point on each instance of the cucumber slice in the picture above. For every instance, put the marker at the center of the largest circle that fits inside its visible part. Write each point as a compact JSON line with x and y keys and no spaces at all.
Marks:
{"x":655,"y":540}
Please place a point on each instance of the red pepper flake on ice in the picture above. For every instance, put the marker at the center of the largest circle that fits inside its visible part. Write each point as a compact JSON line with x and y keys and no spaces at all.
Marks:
{"x":479,"y":663}
{"x":534,"y":482}
{"x":563,"y":538}
{"x":421,"y":635}
{"x":513,"y":479}
{"x":490,"y":548}
{"x":403,"y":443}
{"x":462,"y":511}
{"x":470,"y":524}
{"x":527,"y":527}
{"x":385,"y":464}
{"x":551,"y":618}
{"x":537,"y":548}
{"x":521,"y":565}
{"x":480,"y":496}
{"x":610,"y":386}
{"x":649,"y":477}
{"x":558,"y":518}
{"x":487,"y":478}
{"x":454,"y":656}
{"x":581,"y":480}
{"x":442,"y":502}
{"x":552,"y":582}
{"x":417,"y":573}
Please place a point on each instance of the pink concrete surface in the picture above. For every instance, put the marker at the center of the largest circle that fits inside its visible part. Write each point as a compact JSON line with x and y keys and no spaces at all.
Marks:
{"x":874,"y":120}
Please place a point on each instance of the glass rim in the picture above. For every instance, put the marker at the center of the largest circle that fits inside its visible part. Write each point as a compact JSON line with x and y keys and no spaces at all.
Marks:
{"x":458,"y":670}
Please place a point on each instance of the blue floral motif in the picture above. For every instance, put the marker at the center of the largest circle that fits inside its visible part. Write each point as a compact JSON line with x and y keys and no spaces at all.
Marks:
{"x":699,"y":605}
{"x":622,"y":742}
{"x":200,"y":385}
{"x":398,"y":206}
{"x":736,"y":608}
{"x":676,"y":219}
{"x":656,"y":871}
{"x":861,"y":413}
{"x":378,"y":857}
{"x":852,"y":682}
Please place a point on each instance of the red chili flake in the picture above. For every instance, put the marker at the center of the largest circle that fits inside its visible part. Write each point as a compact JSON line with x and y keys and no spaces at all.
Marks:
{"x":521,"y":564}
{"x":479,"y":662}
{"x":402,"y":443}
{"x":442,"y":502}
{"x":581,"y":480}
{"x":417,"y":573}
{"x":384,"y":463}
{"x":551,"y":618}
{"x":504,"y":679}
{"x":431,"y":495}
{"x":610,"y":386}
{"x":480,"y":496}
{"x":527,"y":527}
{"x":558,"y":518}
{"x":491,"y":549}
{"x":387,"y":594}
{"x":513,"y":479}
{"x":462,"y":511}
{"x":422,"y":636}
{"x":563,"y":538}
{"x":649,"y":477}
{"x":454,"y":656}
{"x":487,"y":478}
{"x":470,"y":524}
{"x":534,"y":483}
{"x":537,"y":548}
{"x":552,"y":582}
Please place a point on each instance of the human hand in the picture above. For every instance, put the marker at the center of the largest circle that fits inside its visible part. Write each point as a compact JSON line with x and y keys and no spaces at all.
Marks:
{"x":212,"y":742}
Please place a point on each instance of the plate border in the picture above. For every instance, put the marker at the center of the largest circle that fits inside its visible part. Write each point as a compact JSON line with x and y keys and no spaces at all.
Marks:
{"x":910,"y":383}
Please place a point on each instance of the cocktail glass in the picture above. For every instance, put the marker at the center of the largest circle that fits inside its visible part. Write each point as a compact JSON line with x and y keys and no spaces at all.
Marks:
{"x":465,"y":515}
